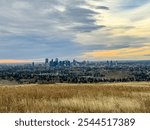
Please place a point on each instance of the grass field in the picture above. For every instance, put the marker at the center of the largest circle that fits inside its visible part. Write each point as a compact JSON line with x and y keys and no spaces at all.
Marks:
{"x":105,"y":97}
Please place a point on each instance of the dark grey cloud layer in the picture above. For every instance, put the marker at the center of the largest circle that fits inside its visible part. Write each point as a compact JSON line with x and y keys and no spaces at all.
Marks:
{"x":102,"y":7}
{"x":42,"y":27}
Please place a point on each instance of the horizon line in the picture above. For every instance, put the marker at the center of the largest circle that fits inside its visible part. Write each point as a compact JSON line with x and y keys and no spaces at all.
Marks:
{"x":23,"y":61}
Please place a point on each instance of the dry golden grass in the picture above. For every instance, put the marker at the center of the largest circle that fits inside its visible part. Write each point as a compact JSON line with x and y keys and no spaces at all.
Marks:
{"x":110,"y":97}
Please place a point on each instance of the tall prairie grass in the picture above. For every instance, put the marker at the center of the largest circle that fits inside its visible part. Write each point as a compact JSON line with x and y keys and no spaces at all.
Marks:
{"x":105,"y":97}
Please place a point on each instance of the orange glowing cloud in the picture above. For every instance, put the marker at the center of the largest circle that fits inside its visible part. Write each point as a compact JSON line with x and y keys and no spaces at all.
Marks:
{"x":9,"y":61}
{"x":125,"y":53}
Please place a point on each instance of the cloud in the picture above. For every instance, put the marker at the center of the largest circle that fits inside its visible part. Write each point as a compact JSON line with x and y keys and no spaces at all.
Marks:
{"x":102,"y":7}
{"x":21,"y":5}
{"x":32,"y":47}
{"x":87,"y":28}
{"x":125,"y":53}
{"x":32,"y":29}
{"x":44,"y":17}
{"x":147,"y":55}
{"x":122,"y":27}
{"x":128,"y":4}
{"x":42,"y":28}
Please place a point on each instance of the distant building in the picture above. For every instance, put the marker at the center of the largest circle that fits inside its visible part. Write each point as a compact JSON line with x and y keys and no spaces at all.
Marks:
{"x":51,"y":63}
{"x":110,"y":63}
{"x":32,"y":64}
{"x":46,"y":61}
{"x":74,"y":62}
{"x":107,"y":63}
{"x":56,"y":62}
{"x":116,"y":63}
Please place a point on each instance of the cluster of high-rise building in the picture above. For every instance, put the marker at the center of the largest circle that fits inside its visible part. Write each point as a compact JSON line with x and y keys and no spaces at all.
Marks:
{"x":59,"y":63}
{"x":112,"y":63}
{"x":66,"y":63}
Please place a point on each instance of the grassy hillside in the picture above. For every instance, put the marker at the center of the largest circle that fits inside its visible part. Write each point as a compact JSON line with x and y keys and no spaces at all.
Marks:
{"x":111,"y":97}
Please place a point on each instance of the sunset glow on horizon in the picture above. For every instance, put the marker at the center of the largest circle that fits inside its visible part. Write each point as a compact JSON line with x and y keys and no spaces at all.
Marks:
{"x":11,"y":61}
{"x":125,"y":53}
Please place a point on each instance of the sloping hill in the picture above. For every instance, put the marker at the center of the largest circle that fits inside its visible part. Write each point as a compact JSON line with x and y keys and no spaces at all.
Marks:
{"x":111,"y":97}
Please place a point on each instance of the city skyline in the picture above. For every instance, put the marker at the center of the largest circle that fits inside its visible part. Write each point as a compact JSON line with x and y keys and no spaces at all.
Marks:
{"x":74,"y":29}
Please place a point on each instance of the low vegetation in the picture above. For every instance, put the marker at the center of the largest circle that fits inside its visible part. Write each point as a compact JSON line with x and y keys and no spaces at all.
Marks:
{"x":104,"y":97}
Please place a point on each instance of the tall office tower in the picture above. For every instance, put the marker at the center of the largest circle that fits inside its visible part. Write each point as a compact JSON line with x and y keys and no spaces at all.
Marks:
{"x":111,"y":63}
{"x":32,"y":64}
{"x":116,"y":63}
{"x":74,"y":61}
{"x":107,"y":63}
{"x":51,"y":63}
{"x":56,"y":61}
{"x":46,"y":61}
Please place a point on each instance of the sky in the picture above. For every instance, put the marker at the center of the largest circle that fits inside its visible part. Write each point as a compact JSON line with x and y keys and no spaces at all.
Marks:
{"x":32,"y":30}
